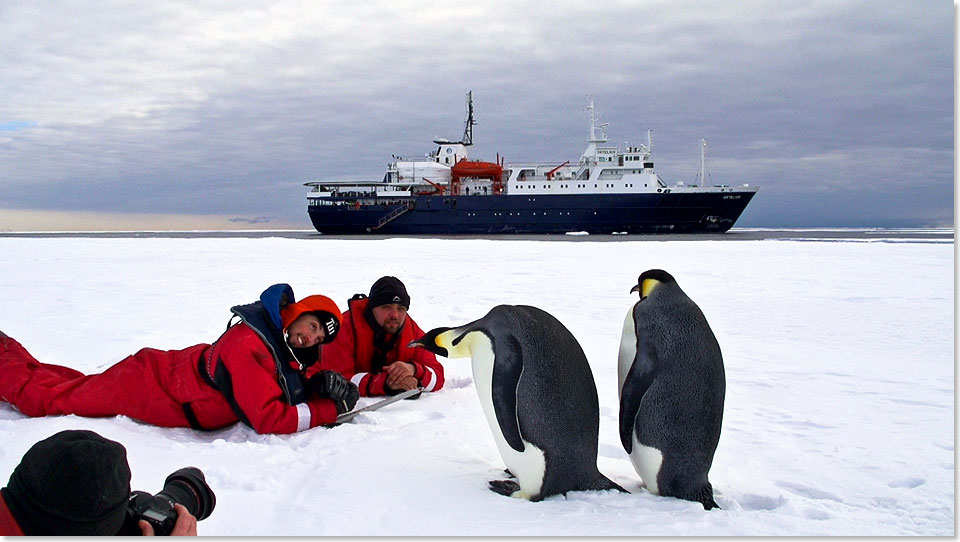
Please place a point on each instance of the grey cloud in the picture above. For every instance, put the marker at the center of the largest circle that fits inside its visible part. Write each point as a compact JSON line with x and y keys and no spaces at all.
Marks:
{"x":229,"y":108}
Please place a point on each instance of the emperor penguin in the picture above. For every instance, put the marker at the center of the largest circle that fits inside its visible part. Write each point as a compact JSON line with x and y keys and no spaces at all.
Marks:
{"x":672,"y":386}
{"x":538,"y":395}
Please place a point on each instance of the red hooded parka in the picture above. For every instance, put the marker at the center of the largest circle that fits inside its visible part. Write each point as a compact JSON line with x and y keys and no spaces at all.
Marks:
{"x":203,"y":386}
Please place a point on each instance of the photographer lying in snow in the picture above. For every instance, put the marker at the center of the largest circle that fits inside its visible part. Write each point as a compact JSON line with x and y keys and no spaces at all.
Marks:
{"x":254,"y":373}
{"x":372,"y":351}
{"x":78,"y":483}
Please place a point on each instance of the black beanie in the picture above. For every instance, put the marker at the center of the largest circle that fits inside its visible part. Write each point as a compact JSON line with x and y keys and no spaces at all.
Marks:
{"x":73,"y":483}
{"x":330,"y":323}
{"x":388,"y":290}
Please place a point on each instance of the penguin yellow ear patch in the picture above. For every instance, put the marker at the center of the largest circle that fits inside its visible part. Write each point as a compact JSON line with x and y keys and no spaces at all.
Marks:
{"x":648,"y":286}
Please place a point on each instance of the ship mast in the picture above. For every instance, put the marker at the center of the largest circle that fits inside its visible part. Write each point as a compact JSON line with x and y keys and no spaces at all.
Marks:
{"x":468,"y":125}
{"x":702,"y":174}
{"x":593,"y":126}
{"x":589,"y":155}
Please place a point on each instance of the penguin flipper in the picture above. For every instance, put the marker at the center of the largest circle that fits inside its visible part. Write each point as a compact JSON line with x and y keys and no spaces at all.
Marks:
{"x":638,"y":381}
{"x":506,"y":377}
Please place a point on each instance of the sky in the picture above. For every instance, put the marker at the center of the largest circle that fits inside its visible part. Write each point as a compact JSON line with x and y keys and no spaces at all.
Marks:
{"x":183,"y":115}
{"x":838,"y":415}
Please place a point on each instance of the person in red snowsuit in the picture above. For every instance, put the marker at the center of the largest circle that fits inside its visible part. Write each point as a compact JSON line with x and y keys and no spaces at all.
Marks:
{"x":371,"y":349}
{"x":255,"y":373}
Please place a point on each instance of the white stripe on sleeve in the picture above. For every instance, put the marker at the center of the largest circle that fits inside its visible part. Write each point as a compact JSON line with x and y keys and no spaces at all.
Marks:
{"x":357,"y":378}
{"x":303,"y":417}
{"x":433,"y":380}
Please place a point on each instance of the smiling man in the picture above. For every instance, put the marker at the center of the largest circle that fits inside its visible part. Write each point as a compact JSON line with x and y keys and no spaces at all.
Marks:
{"x":372,"y":348}
{"x":254,"y":373}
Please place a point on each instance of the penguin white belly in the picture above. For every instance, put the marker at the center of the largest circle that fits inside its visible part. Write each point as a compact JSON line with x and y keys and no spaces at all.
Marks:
{"x":628,"y":349}
{"x":646,"y":461}
{"x":529,"y":465}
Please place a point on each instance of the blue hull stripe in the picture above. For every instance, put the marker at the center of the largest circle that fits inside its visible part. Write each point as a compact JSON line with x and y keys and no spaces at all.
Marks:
{"x":601,"y":213}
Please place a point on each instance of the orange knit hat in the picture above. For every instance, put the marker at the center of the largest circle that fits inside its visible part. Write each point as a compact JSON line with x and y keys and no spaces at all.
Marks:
{"x":326,"y":310}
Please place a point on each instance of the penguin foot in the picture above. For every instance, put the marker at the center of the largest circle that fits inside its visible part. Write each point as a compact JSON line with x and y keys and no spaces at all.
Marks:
{"x":705,"y":497}
{"x":505,"y":471}
{"x":504,"y":487}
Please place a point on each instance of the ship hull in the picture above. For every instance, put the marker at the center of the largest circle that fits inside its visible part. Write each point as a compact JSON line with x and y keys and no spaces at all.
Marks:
{"x":669,"y":212}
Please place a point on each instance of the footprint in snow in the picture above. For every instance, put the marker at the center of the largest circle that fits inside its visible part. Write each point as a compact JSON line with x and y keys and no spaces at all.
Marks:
{"x":809,"y":492}
{"x":453,"y":383}
{"x":760,"y":502}
{"x":908,"y":483}
{"x":816,"y":515}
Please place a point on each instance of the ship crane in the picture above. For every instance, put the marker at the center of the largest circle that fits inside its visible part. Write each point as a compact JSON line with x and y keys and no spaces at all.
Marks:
{"x":554,"y":170}
{"x":437,"y":188}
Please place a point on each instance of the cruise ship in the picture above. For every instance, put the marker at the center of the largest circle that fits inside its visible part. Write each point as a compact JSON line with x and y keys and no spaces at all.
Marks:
{"x":608,"y":190}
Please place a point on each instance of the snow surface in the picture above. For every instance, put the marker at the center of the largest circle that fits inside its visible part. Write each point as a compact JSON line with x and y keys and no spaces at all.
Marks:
{"x":839,"y":356}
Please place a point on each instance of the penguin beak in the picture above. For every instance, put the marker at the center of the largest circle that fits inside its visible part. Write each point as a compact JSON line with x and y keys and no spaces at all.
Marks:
{"x":428,"y":344}
{"x":636,"y":289}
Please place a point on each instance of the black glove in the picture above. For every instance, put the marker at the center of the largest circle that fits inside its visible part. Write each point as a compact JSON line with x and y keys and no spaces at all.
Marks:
{"x":333,"y":385}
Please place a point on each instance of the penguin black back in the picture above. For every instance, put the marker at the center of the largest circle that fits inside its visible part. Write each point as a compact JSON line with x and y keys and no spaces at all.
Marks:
{"x":672,"y":390}
{"x":542,"y":399}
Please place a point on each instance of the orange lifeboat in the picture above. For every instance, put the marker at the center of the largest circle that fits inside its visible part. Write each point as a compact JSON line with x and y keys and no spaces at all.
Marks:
{"x":476,"y":169}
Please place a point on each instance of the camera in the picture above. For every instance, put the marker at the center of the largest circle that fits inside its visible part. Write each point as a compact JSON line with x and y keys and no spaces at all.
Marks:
{"x":186,"y":486}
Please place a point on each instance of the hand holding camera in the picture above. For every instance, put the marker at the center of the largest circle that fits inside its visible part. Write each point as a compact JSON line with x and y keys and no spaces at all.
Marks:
{"x":186,"y":524}
{"x":185,"y":490}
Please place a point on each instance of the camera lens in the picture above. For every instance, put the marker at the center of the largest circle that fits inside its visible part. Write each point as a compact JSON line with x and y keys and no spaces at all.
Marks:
{"x":188,"y":487}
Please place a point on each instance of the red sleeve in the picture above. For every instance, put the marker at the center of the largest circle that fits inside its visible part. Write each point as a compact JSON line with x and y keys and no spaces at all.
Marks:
{"x":427,"y":369}
{"x":8,"y":524}
{"x":371,"y":384}
{"x":255,"y":391}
